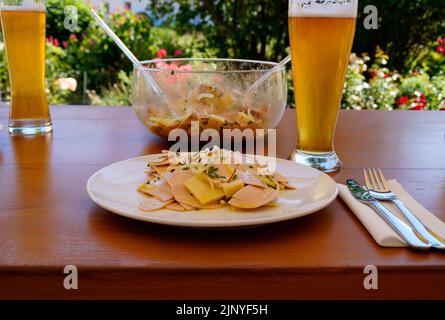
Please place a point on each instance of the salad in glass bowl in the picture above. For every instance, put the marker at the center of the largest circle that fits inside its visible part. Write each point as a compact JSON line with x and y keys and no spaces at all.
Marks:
{"x":213,"y":92}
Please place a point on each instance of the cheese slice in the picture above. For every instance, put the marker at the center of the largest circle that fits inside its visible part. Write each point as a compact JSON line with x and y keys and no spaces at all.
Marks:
{"x":232,"y":187}
{"x":202,"y":190}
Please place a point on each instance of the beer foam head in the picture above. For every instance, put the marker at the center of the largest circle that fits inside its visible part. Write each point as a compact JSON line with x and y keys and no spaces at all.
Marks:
{"x":25,"y":5}
{"x":323,"y":8}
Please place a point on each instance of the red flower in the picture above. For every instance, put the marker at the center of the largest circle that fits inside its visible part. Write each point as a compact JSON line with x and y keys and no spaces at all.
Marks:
{"x":442,"y":109}
{"x":441,"y":41}
{"x":418,"y":107}
{"x":56,"y":42}
{"x":65,"y":44}
{"x":178,"y":53}
{"x":403,"y":100}
{"x":73,"y":37}
{"x":441,"y":50}
{"x":387,"y":75}
{"x":162,"y":53}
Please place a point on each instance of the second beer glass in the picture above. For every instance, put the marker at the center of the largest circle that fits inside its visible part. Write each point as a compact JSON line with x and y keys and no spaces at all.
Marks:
{"x":321,"y":35}
{"x":24,"y":26}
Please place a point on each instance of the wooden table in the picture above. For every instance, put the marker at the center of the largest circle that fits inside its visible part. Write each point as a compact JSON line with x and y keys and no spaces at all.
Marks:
{"x":47,"y":220}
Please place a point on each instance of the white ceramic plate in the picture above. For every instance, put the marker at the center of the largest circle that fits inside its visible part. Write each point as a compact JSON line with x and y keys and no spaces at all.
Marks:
{"x":114,"y":188}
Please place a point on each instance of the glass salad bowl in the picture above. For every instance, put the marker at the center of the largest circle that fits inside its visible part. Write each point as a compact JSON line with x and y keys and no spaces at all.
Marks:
{"x":211,"y":91}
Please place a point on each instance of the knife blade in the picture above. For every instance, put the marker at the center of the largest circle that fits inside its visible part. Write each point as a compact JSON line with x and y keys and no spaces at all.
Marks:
{"x":400,"y":227}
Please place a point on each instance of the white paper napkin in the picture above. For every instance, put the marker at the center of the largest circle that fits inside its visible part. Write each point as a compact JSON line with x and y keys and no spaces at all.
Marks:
{"x":377,"y":227}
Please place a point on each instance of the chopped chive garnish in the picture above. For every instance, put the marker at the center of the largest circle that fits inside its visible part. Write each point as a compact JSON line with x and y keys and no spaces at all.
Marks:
{"x":212,"y":172}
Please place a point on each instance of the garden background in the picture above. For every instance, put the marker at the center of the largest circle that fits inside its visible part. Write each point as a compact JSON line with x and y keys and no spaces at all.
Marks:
{"x":401,"y":65}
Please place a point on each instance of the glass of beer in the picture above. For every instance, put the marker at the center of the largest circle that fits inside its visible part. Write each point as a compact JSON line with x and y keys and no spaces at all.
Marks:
{"x":23,"y":24}
{"x":321,"y":35}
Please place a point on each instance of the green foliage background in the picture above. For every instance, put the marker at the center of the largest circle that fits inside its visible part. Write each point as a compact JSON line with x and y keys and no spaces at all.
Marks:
{"x":258,"y":28}
{"x":400,"y":57}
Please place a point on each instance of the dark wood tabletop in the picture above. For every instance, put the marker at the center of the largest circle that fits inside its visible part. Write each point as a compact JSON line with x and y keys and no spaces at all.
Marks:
{"x":47,"y":220}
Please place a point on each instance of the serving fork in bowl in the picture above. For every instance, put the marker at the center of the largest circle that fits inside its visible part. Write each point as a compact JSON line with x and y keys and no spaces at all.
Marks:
{"x":378,"y":187}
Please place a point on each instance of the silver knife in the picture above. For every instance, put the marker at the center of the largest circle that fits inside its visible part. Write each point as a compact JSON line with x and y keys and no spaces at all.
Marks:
{"x":436,"y":241}
{"x":401,"y":228}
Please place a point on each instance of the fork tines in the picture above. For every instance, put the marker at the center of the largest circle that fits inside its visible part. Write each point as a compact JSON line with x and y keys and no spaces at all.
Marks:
{"x":375,"y":180}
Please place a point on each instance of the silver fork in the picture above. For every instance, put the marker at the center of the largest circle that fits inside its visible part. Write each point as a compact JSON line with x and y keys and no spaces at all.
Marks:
{"x":379,"y":189}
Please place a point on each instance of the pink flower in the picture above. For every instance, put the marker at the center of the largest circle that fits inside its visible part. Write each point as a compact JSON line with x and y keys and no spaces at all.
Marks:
{"x":56,"y":42}
{"x":441,"y":40}
{"x":65,"y":44}
{"x":441,"y":50}
{"x":73,"y":37}
{"x":178,"y":53}
{"x":162,"y":53}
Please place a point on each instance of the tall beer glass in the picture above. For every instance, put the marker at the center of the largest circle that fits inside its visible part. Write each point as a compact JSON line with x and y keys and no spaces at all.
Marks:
{"x":23,"y":25}
{"x":321,"y":35}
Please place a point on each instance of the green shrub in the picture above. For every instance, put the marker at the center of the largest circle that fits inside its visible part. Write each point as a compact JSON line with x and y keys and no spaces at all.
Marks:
{"x":248,"y":29}
{"x":95,"y":54}
{"x":430,"y":59}
{"x":405,"y":28}
{"x":56,"y":15}
{"x":117,"y":94}
{"x":4,"y":78}
{"x":258,"y":29}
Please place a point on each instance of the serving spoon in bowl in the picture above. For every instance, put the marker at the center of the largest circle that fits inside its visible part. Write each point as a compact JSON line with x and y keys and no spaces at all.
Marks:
{"x":131,"y":57}
{"x":266,"y":75}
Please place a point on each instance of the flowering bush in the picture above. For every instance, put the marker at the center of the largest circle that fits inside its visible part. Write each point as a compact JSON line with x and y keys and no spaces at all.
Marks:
{"x":94,"y":56}
{"x":372,"y":87}
{"x":377,"y":87}
{"x":57,"y":71}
